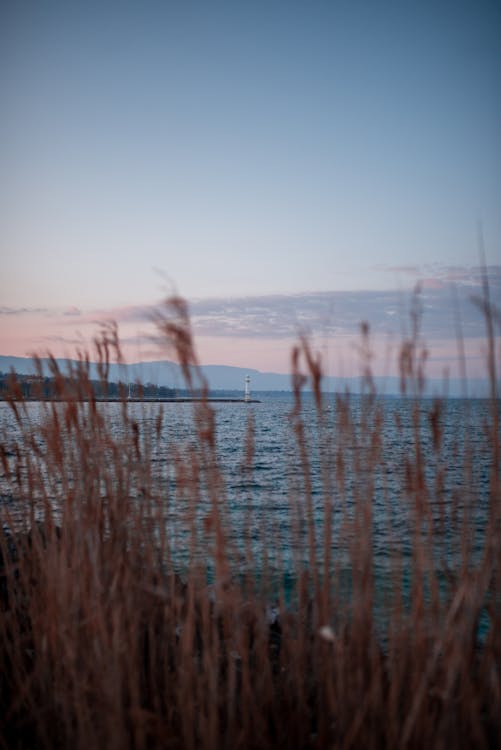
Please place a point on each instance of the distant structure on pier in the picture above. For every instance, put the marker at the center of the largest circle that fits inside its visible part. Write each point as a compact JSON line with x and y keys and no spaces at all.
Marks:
{"x":247,"y":388}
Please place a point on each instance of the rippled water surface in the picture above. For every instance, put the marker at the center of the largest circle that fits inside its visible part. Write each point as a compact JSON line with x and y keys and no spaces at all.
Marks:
{"x":358,"y":462}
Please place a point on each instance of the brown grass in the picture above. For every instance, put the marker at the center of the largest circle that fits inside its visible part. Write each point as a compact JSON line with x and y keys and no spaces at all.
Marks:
{"x":108,"y":641}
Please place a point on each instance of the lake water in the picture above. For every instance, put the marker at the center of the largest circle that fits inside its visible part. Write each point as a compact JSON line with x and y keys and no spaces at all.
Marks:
{"x":360,"y":467}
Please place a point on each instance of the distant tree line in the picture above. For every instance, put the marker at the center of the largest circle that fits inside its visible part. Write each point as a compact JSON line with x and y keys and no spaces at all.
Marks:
{"x":38,"y":387}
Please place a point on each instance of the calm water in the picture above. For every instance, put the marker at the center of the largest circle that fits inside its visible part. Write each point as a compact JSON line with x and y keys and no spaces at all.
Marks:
{"x":358,"y":474}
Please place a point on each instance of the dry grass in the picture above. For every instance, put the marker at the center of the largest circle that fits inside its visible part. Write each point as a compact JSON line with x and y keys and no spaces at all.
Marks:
{"x":107,"y":642}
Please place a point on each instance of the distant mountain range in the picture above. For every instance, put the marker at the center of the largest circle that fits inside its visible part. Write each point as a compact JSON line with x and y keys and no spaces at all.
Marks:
{"x":223,"y":377}
{"x":219,"y":377}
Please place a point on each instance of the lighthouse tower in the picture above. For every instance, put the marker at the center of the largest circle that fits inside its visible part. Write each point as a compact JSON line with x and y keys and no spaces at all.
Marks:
{"x":247,"y":389}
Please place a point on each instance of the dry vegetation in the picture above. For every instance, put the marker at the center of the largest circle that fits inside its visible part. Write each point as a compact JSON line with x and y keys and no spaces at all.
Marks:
{"x":106,"y":642}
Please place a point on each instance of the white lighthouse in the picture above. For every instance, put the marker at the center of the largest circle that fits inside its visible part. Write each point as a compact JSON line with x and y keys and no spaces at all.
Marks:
{"x":247,"y":389}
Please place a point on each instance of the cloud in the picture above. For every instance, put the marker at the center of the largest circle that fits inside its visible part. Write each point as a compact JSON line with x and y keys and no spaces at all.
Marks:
{"x":431,"y":283}
{"x":336,"y":313}
{"x":283,"y":317}
{"x":72,"y":312}
{"x":436,"y":274}
{"x":445,"y":296}
{"x":22,"y":310}
{"x":125,"y":314}
{"x":270,"y":316}
{"x":134,"y":313}
{"x":440,"y":306}
{"x":410,"y":270}
{"x":54,"y":339}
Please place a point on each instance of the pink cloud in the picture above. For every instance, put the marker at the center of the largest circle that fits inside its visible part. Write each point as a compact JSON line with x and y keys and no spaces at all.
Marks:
{"x":123,"y":314}
{"x":432,"y":283}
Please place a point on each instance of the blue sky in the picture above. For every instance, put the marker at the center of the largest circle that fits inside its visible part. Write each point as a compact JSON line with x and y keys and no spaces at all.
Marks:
{"x":243,"y":151}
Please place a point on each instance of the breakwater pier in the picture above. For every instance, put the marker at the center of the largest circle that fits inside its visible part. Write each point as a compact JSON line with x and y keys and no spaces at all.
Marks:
{"x":145,"y":400}
{"x":186,"y":400}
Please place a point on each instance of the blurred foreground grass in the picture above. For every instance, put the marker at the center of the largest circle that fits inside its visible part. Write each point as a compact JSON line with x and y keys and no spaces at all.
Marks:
{"x":106,"y":643}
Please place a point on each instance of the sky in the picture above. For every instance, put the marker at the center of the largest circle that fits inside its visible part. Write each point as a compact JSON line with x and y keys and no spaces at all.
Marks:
{"x":287,"y":167}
